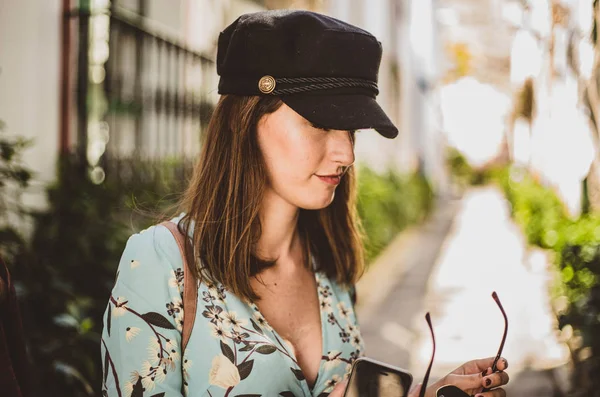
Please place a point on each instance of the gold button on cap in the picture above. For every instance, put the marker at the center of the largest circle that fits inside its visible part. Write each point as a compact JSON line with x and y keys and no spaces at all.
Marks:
{"x":266,"y":84}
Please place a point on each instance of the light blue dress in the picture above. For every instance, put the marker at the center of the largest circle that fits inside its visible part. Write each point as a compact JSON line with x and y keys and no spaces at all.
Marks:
{"x":232,"y":350}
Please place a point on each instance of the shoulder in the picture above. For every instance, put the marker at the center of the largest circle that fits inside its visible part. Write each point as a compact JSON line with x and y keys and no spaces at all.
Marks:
{"x":152,"y":253}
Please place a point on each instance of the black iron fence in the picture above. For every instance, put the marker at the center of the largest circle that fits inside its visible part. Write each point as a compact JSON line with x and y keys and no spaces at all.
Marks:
{"x":139,"y":93}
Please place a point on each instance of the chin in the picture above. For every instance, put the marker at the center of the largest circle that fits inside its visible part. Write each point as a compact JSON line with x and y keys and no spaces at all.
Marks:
{"x":314,"y":204}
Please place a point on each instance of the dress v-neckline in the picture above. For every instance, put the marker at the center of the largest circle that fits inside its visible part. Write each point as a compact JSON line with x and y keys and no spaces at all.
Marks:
{"x":292,"y":353}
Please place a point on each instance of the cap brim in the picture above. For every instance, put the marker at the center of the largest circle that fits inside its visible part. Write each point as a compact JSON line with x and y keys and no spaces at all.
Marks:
{"x":342,"y":112}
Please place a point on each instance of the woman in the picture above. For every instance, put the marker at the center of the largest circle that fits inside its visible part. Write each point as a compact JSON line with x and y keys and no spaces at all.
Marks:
{"x":271,"y":219}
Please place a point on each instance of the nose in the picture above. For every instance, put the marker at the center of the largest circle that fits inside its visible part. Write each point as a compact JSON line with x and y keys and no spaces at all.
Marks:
{"x":342,"y":147}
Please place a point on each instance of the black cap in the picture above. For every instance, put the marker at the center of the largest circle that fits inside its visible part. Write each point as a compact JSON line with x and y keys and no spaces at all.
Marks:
{"x":323,"y":68}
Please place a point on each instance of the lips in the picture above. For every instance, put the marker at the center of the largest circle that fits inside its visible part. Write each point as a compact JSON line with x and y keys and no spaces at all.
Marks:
{"x":331,"y":179}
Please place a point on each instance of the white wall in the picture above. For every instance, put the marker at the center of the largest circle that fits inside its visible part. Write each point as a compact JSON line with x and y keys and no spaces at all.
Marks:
{"x":413,"y":111}
{"x":376,"y":17}
{"x":29,"y":79}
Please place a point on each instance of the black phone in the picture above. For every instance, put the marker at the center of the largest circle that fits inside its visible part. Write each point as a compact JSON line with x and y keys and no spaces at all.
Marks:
{"x":371,"y":378}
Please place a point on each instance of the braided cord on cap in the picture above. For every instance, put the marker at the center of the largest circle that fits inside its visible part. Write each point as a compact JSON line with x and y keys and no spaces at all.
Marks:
{"x":321,"y":83}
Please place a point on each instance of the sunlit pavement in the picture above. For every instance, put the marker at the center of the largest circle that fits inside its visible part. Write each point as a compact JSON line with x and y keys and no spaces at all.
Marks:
{"x":484,"y":251}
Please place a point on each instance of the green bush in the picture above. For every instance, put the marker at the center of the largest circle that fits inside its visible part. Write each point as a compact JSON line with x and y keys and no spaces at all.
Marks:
{"x":460,"y":169}
{"x":64,"y":272}
{"x":575,"y":245}
{"x":14,"y":178}
{"x":388,"y":203}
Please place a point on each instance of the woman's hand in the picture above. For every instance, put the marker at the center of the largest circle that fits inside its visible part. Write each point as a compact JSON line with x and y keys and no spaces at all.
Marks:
{"x":471,"y":378}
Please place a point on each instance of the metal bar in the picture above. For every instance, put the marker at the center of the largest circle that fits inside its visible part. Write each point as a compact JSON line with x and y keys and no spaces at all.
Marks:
{"x":65,"y":83}
{"x":160,"y":97}
{"x":82,"y":85}
{"x":136,"y":25}
{"x":170,"y":114}
{"x":138,"y":86}
{"x":179,"y":91}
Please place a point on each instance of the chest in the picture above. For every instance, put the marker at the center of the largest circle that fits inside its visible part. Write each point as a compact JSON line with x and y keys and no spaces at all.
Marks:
{"x":292,"y":309}
{"x":234,"y":351}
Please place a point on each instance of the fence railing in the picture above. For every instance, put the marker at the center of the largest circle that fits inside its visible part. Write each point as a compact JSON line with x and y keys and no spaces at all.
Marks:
{"x":139,"y":93}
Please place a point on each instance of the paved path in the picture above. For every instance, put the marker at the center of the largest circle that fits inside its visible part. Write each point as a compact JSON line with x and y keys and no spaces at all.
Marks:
{"x":468,"y":250}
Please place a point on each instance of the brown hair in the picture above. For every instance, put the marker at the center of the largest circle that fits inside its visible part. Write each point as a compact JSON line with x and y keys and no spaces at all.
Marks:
{"x":223,"y":198}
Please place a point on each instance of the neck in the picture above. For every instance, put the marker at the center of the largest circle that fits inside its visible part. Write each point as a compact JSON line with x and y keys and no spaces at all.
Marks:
{"x":279,"y":238}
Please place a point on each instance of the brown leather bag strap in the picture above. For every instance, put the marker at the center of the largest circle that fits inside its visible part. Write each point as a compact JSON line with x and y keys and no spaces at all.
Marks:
{"x":190,"y":287}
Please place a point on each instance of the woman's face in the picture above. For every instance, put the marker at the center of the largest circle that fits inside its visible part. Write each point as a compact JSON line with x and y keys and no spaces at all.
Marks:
{"x":301,"y":159}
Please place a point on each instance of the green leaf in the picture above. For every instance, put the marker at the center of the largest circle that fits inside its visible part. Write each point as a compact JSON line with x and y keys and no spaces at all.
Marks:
{"x":248,"y":347}
{"x":266,"y":349}
{"x":245,"y":368}
{"x":138,"y":389}
{"x":109,"y":318}
{"x":105,"y":366}
{"x":157,"y":319}
{"x":298,"y":373}
{"x":256,"y":327}
{"x":227,"y":352}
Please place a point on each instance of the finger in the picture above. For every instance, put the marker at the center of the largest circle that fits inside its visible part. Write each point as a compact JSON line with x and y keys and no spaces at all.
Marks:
{"x":466,"y":382}
{"x":502,"y":364}
{"x":415,"y":390}
{"x":494,"y":380}
{"x":493,"y":393}
{"x":483,"y":363}
{"x":339,"y":389}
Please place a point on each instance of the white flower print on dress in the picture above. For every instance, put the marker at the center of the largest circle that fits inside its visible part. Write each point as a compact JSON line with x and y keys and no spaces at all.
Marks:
{"x":174,"y":354}
{"x":261,"y":321}
{"x":168,"y":363}
{"x":161,"y":375}
{"x":120,"y":308}
{"x":348,"y":370}
{"x":187,"y":364}
{"x":332,"y":355}
{"x":131,"y":332}
{"x":325,"y":304}
{"x":343,"y":311}
{"x":331,"y":364}
{"x":223,"y":373}
{"x":148,"y":379}
{"x":214,"y":313}
{"x":332,"y":360}
{"x":176,"y":280}
{"x":218,"y":331}
{"x":335,"y":379}
{"x":134,"y":377}
{"x":128,"y":389}
{"x":175,"y":306}
{"x":153,"y":351}
{"x":356,"y":339}
{"x":232,"y":320}
{"x":179,"y":321}
{"x":148,"y":383}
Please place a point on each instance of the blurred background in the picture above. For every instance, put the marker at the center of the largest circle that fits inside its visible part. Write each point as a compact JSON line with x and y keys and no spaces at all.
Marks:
{"x":493,"y":183}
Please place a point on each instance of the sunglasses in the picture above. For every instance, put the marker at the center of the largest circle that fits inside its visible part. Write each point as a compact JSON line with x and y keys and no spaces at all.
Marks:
{"x":453,"y":391}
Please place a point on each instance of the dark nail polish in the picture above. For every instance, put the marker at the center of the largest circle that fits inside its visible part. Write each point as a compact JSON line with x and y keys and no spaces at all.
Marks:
{"x":484,"y":372}
{"x":505,"y":363}
{"x":488,"y":382}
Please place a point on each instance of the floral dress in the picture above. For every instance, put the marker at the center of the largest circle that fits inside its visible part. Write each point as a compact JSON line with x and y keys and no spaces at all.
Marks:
{"x":232,"y":350}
